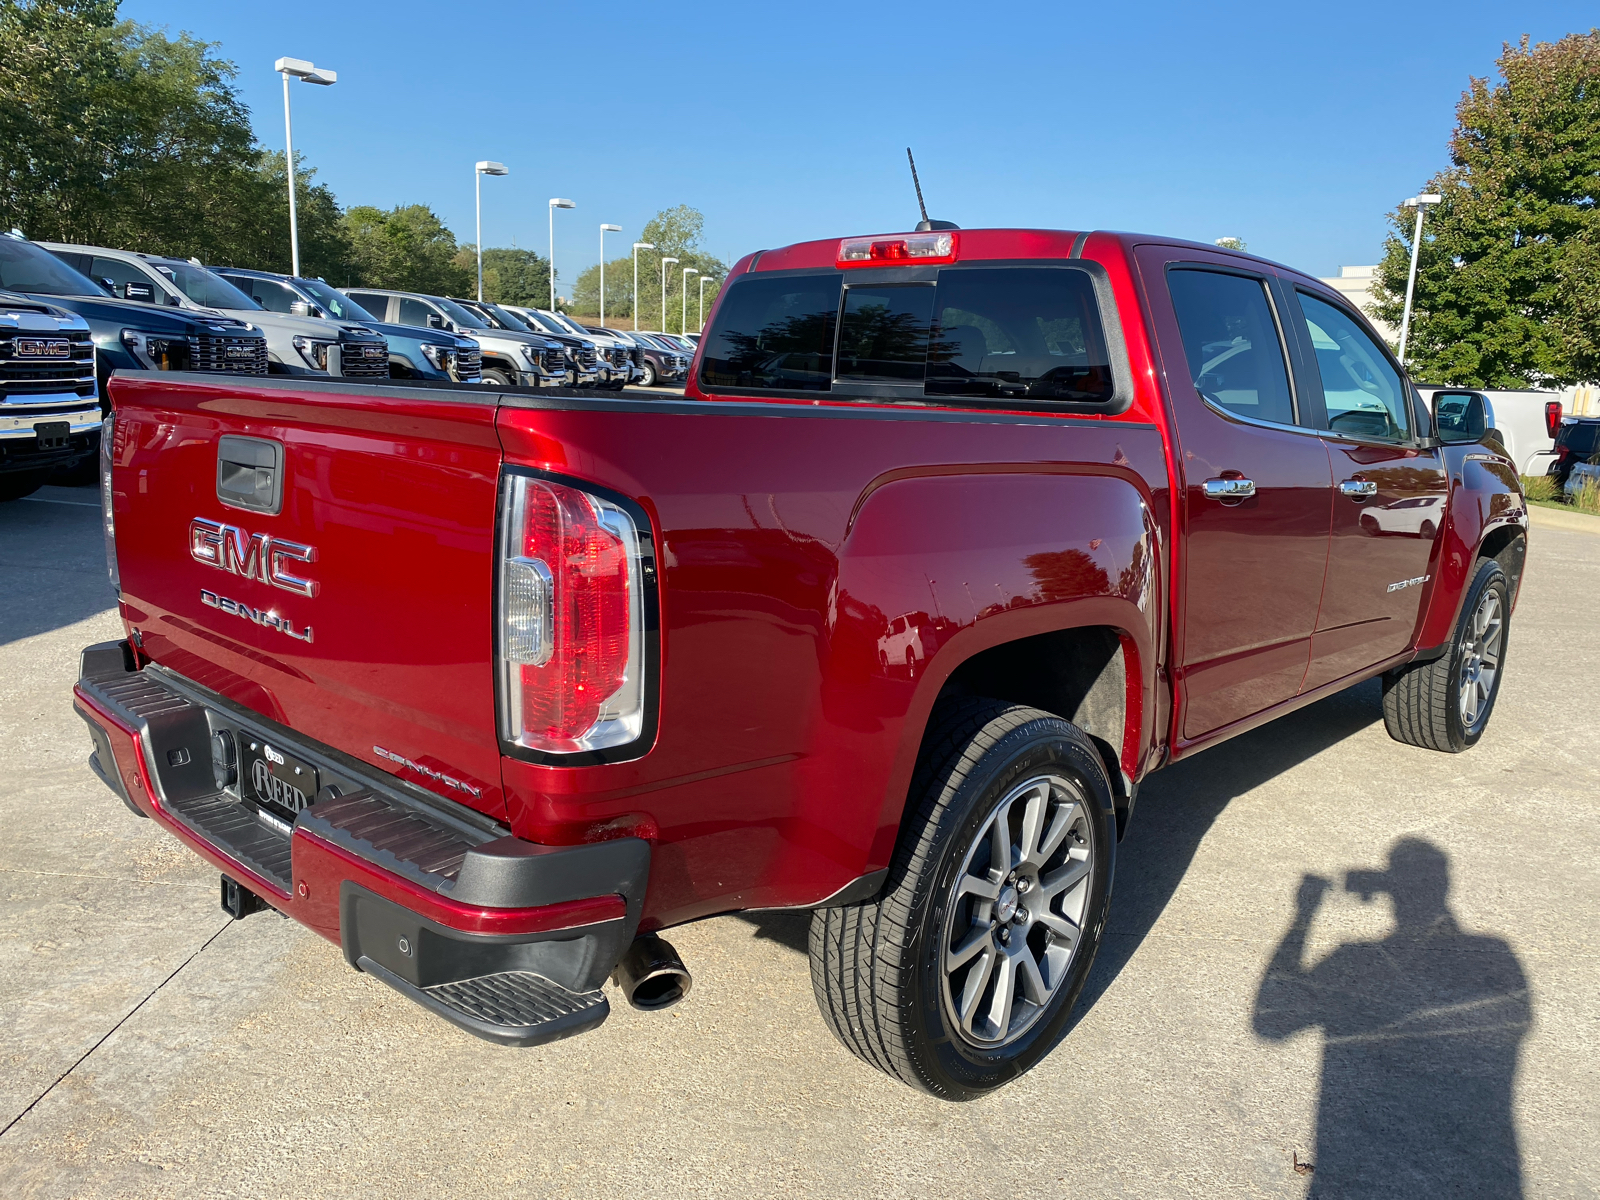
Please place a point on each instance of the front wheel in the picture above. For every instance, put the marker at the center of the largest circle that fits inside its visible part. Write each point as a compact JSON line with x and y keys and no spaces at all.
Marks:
{"x":962,"y":974}
{"x":649,"y":377}
{"x":495,"y":377}
{"x":1445,"y":704}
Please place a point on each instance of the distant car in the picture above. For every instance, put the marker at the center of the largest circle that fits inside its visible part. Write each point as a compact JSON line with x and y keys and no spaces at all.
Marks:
{"x":616,"y":363}
{"x":412,"y":353}
{"x":663,"y":362}
{"x":578,"y":341}
{"x":1577,"y":444}
{"x":633,"y":347}
{"x":133,"y":335}
{"x":577,"y":355}
{"x":296,"y":345}
{"x":676,"y":340}
{"x":910,"y":641}
{"x":1414,"y":516}
{"x":511,"y":358}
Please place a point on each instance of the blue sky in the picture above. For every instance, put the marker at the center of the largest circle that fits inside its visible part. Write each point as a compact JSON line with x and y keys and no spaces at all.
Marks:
{"x":1293,"y":126}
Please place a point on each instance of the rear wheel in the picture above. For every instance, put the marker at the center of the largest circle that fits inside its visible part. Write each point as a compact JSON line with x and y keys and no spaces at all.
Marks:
{"x":961,"y":975}
{"x":1446,"y":704}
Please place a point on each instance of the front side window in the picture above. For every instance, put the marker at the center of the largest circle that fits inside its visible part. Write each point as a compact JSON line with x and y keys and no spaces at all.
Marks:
{"x":1364,"y":395}
{"x":1231,"y":343}
{"x":774,"y":333}
{"x":337,"y":305}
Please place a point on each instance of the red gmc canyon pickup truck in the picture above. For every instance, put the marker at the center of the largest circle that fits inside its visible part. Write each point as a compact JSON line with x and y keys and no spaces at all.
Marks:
{"x":954,"y":537}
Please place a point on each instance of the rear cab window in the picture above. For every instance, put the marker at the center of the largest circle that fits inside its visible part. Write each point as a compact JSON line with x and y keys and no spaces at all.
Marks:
{"x":1030,"y":335}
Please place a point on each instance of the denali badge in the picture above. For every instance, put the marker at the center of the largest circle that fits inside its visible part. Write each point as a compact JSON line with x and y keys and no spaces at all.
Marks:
{"x":254,"y":556}
{"x":447,"y":780}
{"x":1405,"y":583}
{"x":264,"y":617}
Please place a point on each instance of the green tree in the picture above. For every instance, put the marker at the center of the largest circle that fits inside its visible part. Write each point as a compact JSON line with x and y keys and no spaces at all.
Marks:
{"x":510,"y":275}
{"x":676,"y":233}
{"x":1508,"y":280}
{"x":407,"y":248}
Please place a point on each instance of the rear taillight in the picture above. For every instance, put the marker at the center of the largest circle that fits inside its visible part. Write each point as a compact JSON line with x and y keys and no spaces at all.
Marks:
{"x":1552,"y":417}
{"x":107,"y":504}
{"x":907,"y":248}
{"x":572,"y":618}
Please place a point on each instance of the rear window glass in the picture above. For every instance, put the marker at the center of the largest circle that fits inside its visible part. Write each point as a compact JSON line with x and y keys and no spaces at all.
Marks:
{"x":883,"y":332}
{"x":1030,"y":333}
{"x":1018,"y":333}
{"x":774,"y":334}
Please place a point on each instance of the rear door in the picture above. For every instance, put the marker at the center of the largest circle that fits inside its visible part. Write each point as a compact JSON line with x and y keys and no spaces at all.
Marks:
{"x":322,"y":554}
{"x":1256,"y":487}
{"x":1389,"y":496}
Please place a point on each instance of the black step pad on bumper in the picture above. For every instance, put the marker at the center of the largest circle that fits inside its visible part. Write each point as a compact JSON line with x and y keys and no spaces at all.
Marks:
{"x":514,"y":1008}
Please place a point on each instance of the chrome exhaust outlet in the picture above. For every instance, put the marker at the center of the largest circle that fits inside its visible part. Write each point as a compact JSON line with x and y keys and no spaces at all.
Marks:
{"x":651,"y":975}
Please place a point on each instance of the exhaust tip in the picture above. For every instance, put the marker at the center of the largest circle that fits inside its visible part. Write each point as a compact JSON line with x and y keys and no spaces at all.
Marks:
{"x":651,"y":975}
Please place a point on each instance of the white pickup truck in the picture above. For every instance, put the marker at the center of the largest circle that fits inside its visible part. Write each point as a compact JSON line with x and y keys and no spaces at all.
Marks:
{"x":1527,"y":421}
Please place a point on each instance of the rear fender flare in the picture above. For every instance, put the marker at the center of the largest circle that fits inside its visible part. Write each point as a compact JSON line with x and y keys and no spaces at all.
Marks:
{"x":965,"y":563}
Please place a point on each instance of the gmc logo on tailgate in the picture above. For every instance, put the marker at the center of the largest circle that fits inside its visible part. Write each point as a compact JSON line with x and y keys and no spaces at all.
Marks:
{"x":250,"y":555}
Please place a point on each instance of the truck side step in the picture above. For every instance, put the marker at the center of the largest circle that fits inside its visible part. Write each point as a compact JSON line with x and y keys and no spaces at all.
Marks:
{"x":513,"y":1008}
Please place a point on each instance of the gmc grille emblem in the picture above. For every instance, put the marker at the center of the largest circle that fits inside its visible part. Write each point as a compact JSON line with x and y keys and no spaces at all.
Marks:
{"x":250,"y":555}
{"x":42,"y":348}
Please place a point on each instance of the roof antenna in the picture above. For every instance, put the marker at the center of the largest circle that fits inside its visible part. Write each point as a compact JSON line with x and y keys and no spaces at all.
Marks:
{"x":924,"y":225}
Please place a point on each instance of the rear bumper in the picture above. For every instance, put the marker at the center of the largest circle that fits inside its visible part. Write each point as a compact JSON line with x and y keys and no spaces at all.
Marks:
{"x":507,"y":939}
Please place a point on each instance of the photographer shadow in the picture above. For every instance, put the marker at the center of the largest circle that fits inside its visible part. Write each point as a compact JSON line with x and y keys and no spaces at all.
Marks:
{"x":1421,"y":1032}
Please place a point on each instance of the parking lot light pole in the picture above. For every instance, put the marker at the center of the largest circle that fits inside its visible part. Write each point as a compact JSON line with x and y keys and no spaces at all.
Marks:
{"x":1421,"y":204}
{"x":555,"y":203}
{"x":482,"y":169}
{"x":683,"y":315}
{"x":638,"y":246}
{"x":297,"y":68}
{"x":664,"y":263}
{"x":704,"y":279}
{"x":604,"y":229}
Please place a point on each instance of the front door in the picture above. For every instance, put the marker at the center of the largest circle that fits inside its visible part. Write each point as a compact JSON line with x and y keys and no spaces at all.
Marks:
{"x":1389,"y":493}
{"x":1256,"y":483}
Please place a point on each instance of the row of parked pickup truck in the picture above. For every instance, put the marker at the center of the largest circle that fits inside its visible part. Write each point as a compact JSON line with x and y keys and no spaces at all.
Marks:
{"x":148,"y":312}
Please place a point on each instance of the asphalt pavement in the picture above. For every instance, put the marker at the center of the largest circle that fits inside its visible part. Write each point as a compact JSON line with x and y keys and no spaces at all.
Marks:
{"x":1431,"y":1028}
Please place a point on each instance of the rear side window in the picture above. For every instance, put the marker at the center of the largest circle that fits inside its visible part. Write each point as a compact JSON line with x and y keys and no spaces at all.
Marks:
{"x":1231,"y":343}
{"x":373,"y":302}
{"x":414,"y":312}
{"x":1364,"y":395}
{"x":1018,"y":332}
{"x":774,"y":334}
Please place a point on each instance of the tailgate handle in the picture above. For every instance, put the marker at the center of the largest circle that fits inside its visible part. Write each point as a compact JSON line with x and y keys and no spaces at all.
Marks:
{"x":250,"y":473}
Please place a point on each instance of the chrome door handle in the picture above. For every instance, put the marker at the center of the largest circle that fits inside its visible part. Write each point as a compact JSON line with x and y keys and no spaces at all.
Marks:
{"x":1359,"y":489}
{"x":1229,"y":489}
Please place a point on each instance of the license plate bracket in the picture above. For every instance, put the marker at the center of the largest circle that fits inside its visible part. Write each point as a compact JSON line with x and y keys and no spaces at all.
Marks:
{"x":275,"y":779}
{"x":52,"y":435}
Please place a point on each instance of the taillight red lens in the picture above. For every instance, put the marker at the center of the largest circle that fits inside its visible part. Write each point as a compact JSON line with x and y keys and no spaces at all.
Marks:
{"x":909,"y":248}
{"x":571,"y":640}
{"x":1552,"y":417}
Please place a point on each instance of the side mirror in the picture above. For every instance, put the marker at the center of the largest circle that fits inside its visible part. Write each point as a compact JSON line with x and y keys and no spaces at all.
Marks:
{"x":145,"y":292}
{"x":435,"y":321}
{"x":1460,"y":417}
{"x":299,"y":308}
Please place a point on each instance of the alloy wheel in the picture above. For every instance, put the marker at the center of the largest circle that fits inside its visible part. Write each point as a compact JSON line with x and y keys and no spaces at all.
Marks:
{"x":1015,"y":918}
{"x":1480,"y":659}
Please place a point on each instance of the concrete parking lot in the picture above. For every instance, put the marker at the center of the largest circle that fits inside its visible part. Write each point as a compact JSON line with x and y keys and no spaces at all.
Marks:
{"x":1437,"y":1037}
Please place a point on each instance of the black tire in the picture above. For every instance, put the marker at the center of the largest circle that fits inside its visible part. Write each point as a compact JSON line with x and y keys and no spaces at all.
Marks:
{"x":878,"y":968}
{"x":495,"y":377}
{"x":1423,"y":703}
{"x":20,"y":484}
{"x":649,"y":377}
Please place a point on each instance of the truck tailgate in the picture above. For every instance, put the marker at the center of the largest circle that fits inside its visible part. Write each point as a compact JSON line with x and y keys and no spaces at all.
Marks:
{"x":361,"y":608}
